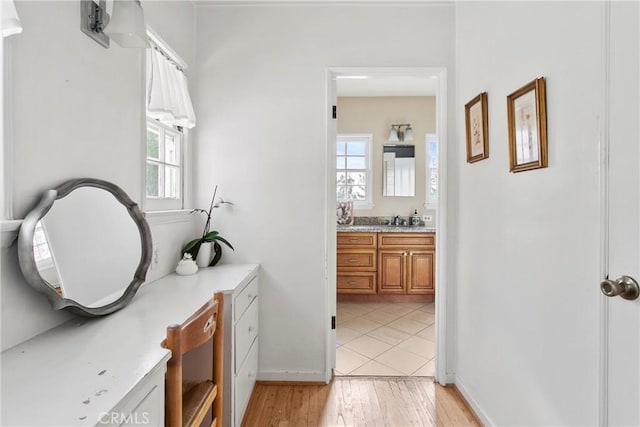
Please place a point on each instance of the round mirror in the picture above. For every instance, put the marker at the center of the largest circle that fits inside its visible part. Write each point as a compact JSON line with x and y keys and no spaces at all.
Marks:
{"x":86,"y":246}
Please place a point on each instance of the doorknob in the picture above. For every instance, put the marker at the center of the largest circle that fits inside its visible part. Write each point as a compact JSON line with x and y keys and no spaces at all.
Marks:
{"x":625,"y":286}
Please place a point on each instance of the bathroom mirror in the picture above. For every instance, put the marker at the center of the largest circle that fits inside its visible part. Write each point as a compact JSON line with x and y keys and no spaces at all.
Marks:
{"x":86,"y":246}
{"x":399,"y":170}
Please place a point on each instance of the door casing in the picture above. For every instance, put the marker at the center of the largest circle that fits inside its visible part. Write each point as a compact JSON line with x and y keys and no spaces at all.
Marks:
{"x":440,"y":74}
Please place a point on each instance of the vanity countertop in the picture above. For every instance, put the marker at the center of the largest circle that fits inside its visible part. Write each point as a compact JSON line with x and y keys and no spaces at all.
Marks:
{"x":386,"y":228}
{"x":76,"y":372}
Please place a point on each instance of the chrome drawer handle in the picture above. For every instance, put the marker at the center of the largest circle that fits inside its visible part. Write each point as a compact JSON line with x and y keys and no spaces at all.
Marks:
{"x":353,"y":260}
{"x":352,"y":282}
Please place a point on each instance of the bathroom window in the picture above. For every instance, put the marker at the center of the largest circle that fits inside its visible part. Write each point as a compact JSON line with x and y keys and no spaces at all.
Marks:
{"x":353,"y":169}
{"x":170,"y":115}
{"x":432,"y":171}
{"x":164,"y":164}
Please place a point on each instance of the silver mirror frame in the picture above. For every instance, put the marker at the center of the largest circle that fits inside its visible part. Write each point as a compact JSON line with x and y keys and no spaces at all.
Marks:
{"x":27,"y":260}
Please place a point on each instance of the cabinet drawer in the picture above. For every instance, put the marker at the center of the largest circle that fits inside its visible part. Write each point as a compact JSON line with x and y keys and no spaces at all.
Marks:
{"x":356,"y":259}
{"x":405,"y":240}
{"x":244,"y":383}
{"x":246,"y":331}
{"x":245,"y":297}
{"x":356,"y":240}
{"x":356,"y":283}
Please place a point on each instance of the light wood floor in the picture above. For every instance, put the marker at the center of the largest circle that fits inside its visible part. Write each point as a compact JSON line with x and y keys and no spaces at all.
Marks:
{"x":359,"y":401}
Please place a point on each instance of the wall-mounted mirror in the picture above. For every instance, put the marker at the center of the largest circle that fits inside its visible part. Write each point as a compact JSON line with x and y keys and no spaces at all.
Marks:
{"x":86,"y":246}
{"x":399,"y":170}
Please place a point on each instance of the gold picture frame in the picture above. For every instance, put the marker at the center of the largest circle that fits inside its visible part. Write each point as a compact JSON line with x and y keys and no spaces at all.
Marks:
{"x":476,"y":121}
{"x":527,"y":118}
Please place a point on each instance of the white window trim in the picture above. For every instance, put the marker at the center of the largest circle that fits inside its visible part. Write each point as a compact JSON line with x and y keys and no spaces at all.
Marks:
{"x":168,"y":216}
{"x":430,"y":204}
{"x":368,"y":202}
{"x":165,"y":203}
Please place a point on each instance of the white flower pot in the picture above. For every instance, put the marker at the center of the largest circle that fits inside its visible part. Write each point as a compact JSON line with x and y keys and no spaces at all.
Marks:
{"x":204,"y":254}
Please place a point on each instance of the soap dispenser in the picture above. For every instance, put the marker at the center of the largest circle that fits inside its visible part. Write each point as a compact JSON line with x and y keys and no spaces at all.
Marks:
{"x":415,"y":219}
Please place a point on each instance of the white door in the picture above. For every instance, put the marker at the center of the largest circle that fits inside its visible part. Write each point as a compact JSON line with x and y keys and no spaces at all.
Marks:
{"x":621,"y":396}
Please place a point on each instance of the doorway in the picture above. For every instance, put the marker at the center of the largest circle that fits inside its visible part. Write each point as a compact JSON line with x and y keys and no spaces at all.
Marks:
{"x":394,"y":336}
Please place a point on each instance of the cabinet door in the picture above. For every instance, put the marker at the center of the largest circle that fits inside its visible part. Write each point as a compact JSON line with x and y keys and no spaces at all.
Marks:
{"x":420,"y":274}
{"x":392,"y":269}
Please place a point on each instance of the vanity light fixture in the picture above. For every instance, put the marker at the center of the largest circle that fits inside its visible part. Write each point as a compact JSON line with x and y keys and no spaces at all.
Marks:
{"x":399,"y":135}
{"x":125,"y":25}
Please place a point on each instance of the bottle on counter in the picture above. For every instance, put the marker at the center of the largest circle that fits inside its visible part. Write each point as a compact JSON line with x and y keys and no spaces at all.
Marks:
{"x":415,"y":219}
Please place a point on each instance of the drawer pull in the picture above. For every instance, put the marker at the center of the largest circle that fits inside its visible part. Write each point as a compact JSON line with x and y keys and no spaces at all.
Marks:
{"x":353,"y":260}
{"x":251,"y":329}
{"x":249,"y":295}
{"x":353,"y":282}
{"x":353,"y":240}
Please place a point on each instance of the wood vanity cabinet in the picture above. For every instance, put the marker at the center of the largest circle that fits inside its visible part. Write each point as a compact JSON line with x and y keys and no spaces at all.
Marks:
{"x":356,"y":263}
{"x":385,"y":263}
{"x":406,"y":263}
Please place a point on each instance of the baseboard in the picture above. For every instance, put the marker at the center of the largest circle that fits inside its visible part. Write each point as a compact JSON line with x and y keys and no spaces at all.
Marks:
{"x":292,"y":376}
{"x":450,"y":378}
{"x":473,"y":404}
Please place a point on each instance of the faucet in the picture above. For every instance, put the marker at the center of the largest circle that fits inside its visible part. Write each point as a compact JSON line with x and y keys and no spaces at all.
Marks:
{"x":396,"y":220}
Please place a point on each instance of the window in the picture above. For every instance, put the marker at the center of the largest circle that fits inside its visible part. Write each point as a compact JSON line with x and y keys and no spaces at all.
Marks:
{"x":353,"y":170}
{"x":164,"y":165}
{"x":169,"y":116}
{"x":432,"y":172}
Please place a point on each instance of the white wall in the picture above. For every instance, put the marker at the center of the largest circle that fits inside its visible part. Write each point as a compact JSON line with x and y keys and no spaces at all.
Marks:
{"x":374,"y":115}
{"x":262,"y":96}
{"x":76,"y":110}
{"x":527,"y":254}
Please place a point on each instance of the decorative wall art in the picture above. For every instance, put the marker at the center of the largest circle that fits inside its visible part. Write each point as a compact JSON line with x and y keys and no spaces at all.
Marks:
{"x":527,"y":118}
{"x":476,"y":119}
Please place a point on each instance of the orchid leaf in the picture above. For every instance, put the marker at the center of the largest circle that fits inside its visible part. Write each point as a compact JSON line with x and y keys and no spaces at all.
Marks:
{"x":217,"y":249}
{"x":210,"y":237}
{"x":223,"y":240}
{"x":191,"y":246}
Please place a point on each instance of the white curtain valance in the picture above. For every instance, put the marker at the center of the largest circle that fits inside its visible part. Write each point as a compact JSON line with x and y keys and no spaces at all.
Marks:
{"x":10,"y":20}
{"x":168,"y":97}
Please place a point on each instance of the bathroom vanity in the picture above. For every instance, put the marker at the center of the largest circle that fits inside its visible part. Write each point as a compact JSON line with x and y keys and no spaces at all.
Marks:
{"x":110,"y":370}
{"x":385,"y":263}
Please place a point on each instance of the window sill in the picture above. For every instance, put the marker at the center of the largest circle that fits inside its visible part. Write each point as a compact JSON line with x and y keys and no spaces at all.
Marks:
{"x":168,"y":216}
{"x":9,"y":230}
{"x":363,"y":206}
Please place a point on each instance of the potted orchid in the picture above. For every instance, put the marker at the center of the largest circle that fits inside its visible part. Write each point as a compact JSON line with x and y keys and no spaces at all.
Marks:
{"x":202,"y":245}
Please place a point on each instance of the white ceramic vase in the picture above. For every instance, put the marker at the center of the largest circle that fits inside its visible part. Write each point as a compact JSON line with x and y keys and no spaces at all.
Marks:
{"x":186,"y":266}
{"x":204,"y":254}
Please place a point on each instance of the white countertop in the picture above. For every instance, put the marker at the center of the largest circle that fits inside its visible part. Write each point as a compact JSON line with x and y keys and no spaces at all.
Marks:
{"x":69,"y":375}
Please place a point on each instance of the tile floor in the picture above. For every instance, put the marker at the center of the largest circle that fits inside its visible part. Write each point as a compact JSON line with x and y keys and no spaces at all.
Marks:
{"x":385,"y":339}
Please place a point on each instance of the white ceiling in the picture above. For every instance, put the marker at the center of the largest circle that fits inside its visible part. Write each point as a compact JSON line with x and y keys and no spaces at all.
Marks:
{"x":424,"y":85}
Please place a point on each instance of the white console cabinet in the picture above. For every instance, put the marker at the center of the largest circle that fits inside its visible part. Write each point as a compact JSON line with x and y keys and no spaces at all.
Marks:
{"x":110,"y":371}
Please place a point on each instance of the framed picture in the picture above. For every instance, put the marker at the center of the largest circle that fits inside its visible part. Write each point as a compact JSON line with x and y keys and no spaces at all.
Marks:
{"x":475,"y":112}
{"x":527,"y":117}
